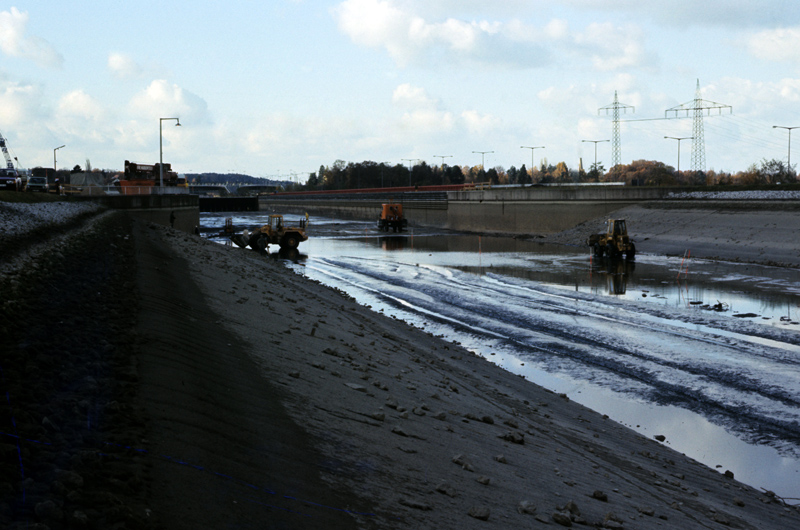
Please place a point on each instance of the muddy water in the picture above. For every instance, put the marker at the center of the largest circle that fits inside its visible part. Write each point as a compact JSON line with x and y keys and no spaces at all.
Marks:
{"x":707,"y":354}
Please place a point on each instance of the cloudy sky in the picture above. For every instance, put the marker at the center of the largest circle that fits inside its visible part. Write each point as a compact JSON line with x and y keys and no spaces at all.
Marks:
{"x":276,"y":88}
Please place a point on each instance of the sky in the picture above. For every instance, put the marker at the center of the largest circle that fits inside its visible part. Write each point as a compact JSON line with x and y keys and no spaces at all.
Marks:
{"x":276,"y":88}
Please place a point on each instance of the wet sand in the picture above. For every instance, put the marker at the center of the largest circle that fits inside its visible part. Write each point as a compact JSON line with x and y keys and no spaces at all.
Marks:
{"x":242,"y":395}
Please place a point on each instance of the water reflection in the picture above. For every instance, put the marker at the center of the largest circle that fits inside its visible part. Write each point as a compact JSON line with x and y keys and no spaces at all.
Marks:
{"x":394,"y":243}
{"x":616,"y":272}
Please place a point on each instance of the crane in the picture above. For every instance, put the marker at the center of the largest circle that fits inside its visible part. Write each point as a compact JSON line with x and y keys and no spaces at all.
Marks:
{"x":9,"y":163}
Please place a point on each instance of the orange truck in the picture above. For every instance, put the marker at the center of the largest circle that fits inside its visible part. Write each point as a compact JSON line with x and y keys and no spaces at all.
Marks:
{"x":392,"y":218}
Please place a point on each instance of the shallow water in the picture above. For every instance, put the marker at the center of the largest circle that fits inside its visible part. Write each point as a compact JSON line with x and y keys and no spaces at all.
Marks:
{"x":637,"y":341}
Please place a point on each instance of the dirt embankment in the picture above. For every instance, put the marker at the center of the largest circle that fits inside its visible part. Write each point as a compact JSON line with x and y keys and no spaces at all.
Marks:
{"x":764,"y":235}
{"x":67,"y":336}
{"x":170,"y":382}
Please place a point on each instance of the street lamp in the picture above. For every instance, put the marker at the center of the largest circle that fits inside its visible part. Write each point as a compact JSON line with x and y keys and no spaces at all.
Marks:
{"x":410,"y":167}
{"x":789,"y":162}
{"x":595,"y":142}
{"x":54,"y":157}
{"x":679,"y":147}
{"x":161,"y":148}
{"x":443,"y":157}
{"x":532,"y":150}
{"x":483,"y":156}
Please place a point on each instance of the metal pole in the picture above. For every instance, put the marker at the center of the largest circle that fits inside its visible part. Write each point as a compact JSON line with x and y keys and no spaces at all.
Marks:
{"x":679,"y":147}
{"x":789,"y":157}
{"x":54,"y":156}
{"x":595,"y":142}
{"x":483,"y":157}
{"x":409,"y":167}
{"x":532,"y":150}
{"x":161,"y":149}
{"x":443,"y":157}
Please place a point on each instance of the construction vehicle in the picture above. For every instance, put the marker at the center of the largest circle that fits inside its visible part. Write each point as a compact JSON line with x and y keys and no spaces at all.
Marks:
{"x":9,"y":178}
{"x":392,"y":217}
{"x":275,"y":232}
{"x":139,"y":178}
{"x":614,"y":242}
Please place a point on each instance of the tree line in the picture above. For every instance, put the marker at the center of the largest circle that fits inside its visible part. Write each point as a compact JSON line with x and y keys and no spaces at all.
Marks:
{"x":369,"y":174}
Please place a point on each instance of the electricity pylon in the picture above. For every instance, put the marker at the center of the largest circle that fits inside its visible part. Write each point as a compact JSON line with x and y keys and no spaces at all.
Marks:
{"x":616,"y":148}
{"x":696,"y":107}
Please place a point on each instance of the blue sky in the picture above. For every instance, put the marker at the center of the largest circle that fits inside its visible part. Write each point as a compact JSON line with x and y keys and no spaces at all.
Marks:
{"x":278,"y":88}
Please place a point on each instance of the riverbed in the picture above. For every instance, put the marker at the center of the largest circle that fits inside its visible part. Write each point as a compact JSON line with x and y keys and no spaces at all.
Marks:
{"x":705,"y":353}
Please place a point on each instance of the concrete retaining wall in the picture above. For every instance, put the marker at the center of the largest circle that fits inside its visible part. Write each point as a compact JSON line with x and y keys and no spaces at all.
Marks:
{"x":526,"y":217}
{"x":533,"y":210}
{"x":179,"y":211}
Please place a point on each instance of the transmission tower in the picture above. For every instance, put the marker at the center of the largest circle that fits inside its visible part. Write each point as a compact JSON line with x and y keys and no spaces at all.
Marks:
{"x":614,"y":108}
{"x":696,"y":108}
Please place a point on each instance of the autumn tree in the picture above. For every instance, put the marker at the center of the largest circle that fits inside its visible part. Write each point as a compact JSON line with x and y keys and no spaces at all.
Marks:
{"x":561,"y":173}
{"x":642,"y":172}
{"x":776,"y":172}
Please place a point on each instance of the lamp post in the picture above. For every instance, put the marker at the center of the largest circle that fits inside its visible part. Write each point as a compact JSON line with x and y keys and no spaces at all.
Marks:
{"x":483,"y":156}
{"x":443,"y":157}
{"x":679,"y":147}
{"x":595,"y":142}
{"x":410,"y":167}
{"x":532,"y":150}
{"x":54,"y":157}
{"x":789,"y":159}
{"x":161,"y":148}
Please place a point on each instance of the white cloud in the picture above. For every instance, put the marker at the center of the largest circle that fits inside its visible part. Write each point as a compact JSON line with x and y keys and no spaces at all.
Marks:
{"x":612,"y":47}
{"x":19,"y":103}
{"x":79,"y":104}
{"x":407,"y":95}
{"x":80,"y":116}
{"x":423,"y":115}
{"x":123,"y":66}
{"x":478,"y":123}
{"x":427,"y":122}
{"x":410,"y":38}
{"x":15,"y":43}
{"x":164,"y":100}
{"x":556,"y":29}
{"x":781,"y":44}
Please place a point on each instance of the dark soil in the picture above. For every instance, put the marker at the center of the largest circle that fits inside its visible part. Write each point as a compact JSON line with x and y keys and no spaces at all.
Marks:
{"x":65,"y":420}
{"x":126,"y":405}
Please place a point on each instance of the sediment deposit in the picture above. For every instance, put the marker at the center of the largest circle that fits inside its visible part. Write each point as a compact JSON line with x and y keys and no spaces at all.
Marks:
{"x":157,"y":380}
